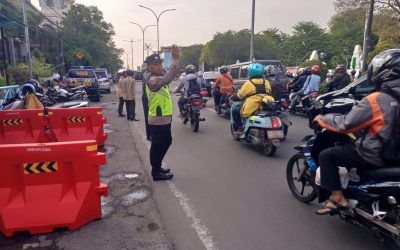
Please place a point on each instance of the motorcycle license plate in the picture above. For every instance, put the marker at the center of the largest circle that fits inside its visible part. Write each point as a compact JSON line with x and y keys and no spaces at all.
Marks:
{"x":275,"y":134}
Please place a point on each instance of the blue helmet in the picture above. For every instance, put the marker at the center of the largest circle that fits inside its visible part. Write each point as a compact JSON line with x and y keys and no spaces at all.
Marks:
{"x":256,"y":70}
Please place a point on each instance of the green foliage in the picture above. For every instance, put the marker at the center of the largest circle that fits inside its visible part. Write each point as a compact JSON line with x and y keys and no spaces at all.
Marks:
{"x":191,"y":55}
{"x":41,"y":69}
{"x":85,"y":30}
{"x":2,"y":81}
{"x":20,"y":73}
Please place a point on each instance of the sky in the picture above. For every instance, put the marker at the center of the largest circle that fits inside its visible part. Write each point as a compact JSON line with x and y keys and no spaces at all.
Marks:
{"x":196,"y":21}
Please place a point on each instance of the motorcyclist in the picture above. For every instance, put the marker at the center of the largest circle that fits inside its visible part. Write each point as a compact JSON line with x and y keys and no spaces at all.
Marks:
{"x":31,"y":101}
{"x":340,"y":79}
{"x":200,"y":79}
{"x":299,"y":81}
{"x":372,"y":118}
{"x":222,"y":86}
{"x":190,"y":74}
{"x":270,"y":76}
{"x":311,"y":85}
{"x":253,"y":92}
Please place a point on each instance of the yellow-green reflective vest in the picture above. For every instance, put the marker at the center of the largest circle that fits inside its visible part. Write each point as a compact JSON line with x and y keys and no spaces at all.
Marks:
{"x":160,"y":102}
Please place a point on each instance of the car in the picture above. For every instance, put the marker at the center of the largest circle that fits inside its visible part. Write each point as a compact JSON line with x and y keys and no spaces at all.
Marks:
{"x":104,"y":81}
{"x":211,"y":78}
{"x":84,"y":76}
{"x":240,"y":73}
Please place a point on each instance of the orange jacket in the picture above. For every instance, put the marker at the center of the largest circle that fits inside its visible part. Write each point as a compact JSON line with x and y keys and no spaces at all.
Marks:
{"x":224,"y":82}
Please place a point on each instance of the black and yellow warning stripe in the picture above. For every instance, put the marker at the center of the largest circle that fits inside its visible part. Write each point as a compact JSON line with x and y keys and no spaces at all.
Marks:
{"x":40,"y":167}
{"x":12,"y":122}
{"x":76,"y":119}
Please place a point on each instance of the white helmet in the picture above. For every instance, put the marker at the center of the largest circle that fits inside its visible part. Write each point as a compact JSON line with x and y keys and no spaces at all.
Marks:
{"x":200,"y":74}
{"x":56,"y":77}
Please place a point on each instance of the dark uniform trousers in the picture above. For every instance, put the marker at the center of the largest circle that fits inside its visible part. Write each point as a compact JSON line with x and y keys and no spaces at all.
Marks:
{"x":161,"y":140}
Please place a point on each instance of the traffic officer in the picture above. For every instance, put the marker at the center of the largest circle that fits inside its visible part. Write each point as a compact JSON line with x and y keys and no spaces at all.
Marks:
{"x":145,"y":102}
{"x":160,"y":111}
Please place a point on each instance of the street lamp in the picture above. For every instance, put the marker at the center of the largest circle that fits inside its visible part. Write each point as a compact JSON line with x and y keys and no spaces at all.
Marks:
{"x":143,"y":30}
{"x":127,"y":58}
{"x":252,"y":30}
{"x":131,"y":41}
{"x":158,"y":26}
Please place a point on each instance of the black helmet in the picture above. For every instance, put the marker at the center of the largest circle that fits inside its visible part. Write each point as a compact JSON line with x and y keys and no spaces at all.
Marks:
{"x":223,"y":70}
{"x":340,"y":68}
{"x":307,"y":71}
{"x":190,"y":69}
{"x":27,"y":88}
{"x":384,"y":67}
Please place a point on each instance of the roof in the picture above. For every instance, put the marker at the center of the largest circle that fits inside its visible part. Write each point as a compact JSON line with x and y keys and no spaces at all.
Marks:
{"x":7,"y":21}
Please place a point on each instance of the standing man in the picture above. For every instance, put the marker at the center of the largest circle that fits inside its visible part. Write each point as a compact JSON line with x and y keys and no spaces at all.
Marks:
{"x":145,"y":101}
{"x":160,"y":111}
{"x":128,"y":88}
{"x":120,"y":95}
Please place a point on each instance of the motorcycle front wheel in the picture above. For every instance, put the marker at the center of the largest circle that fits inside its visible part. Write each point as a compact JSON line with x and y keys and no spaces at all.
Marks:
{"x":195,"y":122}
{"x":305,"y":189}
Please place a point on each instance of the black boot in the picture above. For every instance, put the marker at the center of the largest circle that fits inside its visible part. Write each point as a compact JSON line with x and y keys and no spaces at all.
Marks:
{"x":162,"y":176}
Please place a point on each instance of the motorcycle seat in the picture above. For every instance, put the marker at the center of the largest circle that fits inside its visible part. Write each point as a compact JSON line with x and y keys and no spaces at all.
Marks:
{"x":382,"y":173}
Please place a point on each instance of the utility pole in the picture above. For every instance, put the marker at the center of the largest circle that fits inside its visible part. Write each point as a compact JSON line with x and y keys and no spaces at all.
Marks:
{"x":131,"y":41}
{"x":27,"y":44}
{"x":253,"y":15}
{"x":148,"y":47}
{"x":3,"y":46}
{"x":367,"y":34}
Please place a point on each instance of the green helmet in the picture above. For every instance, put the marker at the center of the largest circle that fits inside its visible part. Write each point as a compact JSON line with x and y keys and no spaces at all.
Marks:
{"x":256,"y":70}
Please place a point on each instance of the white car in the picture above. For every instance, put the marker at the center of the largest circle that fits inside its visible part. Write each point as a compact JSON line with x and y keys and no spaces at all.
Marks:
{"x":104,"y":81}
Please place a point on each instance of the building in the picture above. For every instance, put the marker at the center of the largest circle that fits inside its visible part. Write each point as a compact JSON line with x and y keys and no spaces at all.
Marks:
{"x":55,"y":9}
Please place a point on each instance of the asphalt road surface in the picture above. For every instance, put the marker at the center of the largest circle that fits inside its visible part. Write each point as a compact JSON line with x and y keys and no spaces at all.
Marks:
{"x":228,"y":195}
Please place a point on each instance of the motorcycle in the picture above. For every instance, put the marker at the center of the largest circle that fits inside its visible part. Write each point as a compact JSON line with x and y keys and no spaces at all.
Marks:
{"x":373,"y":194}
{"x":264,"y":129}
{"x":62,"y":95}
{"x":304,"y":104}
{"x":224,"y":109}
{"x":192,"y":108}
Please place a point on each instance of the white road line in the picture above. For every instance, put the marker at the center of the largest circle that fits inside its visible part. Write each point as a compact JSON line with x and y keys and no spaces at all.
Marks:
{"x":202,"y":231}
{"x":212,"y":110}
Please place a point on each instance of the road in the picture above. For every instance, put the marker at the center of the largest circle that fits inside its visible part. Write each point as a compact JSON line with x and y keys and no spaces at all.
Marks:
{"x":227,"y":195}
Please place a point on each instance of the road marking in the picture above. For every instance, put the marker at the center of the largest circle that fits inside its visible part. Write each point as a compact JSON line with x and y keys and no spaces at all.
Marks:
{"x":212,"y":110}
{"x":202,"y":231}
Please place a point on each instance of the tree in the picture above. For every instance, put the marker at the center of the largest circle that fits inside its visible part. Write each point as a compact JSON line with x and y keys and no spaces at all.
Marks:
{"x":307,"y":36}
{"x":85,"y":30}
{"x":268,"y":44}
{"x":393,"y":5}
{"x":191,"y":55}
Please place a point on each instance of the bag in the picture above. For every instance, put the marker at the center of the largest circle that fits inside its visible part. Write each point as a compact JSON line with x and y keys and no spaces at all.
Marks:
{"x":194,"y":88}
{"x":391,"y":147}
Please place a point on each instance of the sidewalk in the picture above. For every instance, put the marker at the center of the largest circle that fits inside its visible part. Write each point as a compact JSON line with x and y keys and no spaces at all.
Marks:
{"x":131,"y":219}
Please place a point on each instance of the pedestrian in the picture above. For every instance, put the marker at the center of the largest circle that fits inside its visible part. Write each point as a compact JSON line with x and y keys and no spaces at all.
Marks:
{"x":128,"y":89}
{"x":160,"y":111}
{"x":145,"y":102}
{"x":120,"y":95}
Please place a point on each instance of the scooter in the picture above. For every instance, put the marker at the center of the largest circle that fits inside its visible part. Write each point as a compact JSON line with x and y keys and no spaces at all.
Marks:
{"x":224,"y":109}
{"x":304,"y":104}
{"x":374,"y":195}
{"x":192,"y":109}
{"x":264,"y":129}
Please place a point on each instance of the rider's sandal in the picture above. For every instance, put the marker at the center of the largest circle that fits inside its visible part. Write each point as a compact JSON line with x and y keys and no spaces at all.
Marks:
{"x":331,"y":207}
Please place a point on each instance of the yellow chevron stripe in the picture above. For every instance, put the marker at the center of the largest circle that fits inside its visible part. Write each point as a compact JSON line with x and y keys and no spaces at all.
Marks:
{"x":33,"y":168}
{"x":91,"y":148}
{"x":12,"y":122}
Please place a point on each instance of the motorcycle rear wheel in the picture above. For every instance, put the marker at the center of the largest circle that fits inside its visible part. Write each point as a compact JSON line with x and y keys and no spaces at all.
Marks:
{"x":269,"y":149}
{"x":308,"y":179}
{"x":195,"y":122}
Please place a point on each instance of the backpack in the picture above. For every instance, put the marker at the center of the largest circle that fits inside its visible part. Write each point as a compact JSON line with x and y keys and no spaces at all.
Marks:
{"x":194,"y":88}
{"x":391,"y":147}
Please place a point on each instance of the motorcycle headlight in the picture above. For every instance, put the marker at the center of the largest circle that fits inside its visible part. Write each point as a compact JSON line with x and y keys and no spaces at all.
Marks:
{"x":318,"y":105}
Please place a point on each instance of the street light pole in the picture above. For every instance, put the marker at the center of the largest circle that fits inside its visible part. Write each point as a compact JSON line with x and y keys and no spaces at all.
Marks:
{"x":252,"y":30}
{"x":27,"y":44}
{"x":127,"y":59}
{"x":158,"y":25}
{"x":367,"y":34}
{"x":143,"y":30}
{"x":131,"y":41}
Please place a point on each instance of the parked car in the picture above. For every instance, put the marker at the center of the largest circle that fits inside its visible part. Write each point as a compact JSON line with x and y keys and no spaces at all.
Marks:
{"x":104,"y":81}
{"x":84,"y":76}
{"x":240,"y":73}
